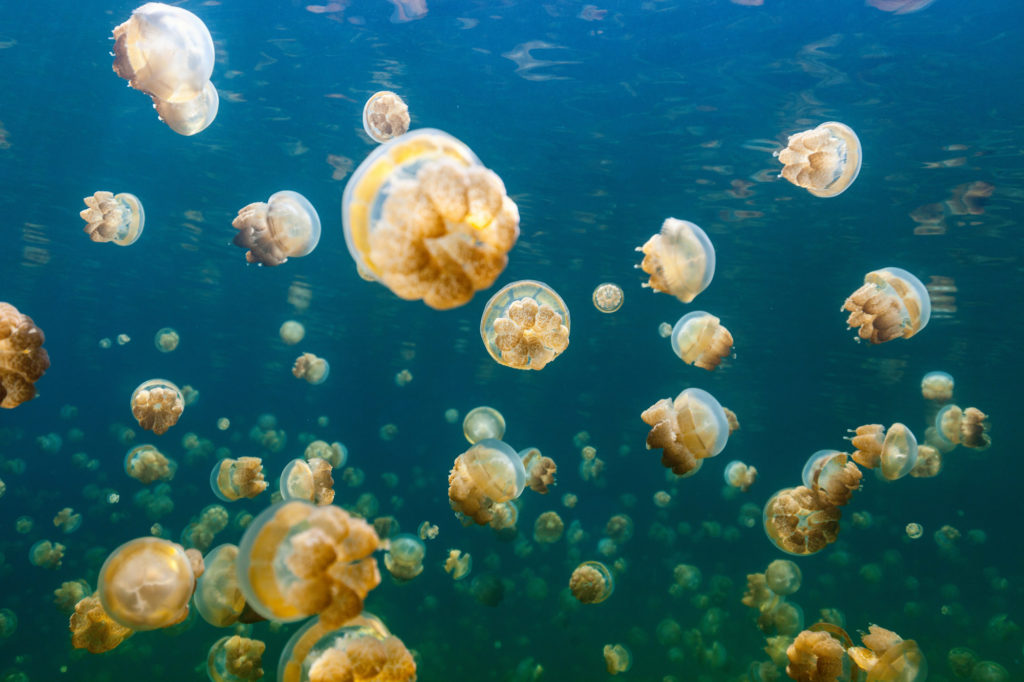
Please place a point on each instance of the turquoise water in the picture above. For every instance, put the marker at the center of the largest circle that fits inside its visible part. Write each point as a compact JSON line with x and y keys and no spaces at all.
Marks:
{"x":601,"y":121}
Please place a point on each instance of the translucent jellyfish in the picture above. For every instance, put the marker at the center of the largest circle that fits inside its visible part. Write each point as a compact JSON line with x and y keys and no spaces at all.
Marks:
{"x":193,"y":116}
{"x":146,"y":464}
{"x":608,"y":297}
{"x":296,"y":560}
{"x":166,"y":340}
{"x":68,"y":594}
{"x":458,"y":564}
{"x":815,"y":657}
{"x":824,"y":161}
{"x":286,"y":226}
{"x":591,"y":582}
{"x":336,"y":454}
{"x":23,"y":360}
{"x":830,"y":474}
{"x":967,"y":427}
{"x":892,"y":303}
{"x":312,"y":369}
{"x":525,"y":325}
{"x":423,"y":217}
{"x":93,"y":629}
{"x":679,"y":259}
{"x":483,"y":422}
{"x":886,"y":657}
{"x":235,"y":659}
{"x":218,"y":599}
{"x":292,"y":332}
{"x":700,"y":339}
{"x":988,"y":671}
{"x":548,"y":528}
{"x":233,"y":479}
{"x":404,"y":557}
{"x":385,"y":116}
{"x":914,"y":530}
{"x":67,"y":520}
{"x":146,"y":584}
{"x":937,"y":387}
{"x":157,"y":404}
{"x":46,"y":554}
{"x":783,"y":577}
{"x":363,"y":650}
{"x":893,"y":451}
{"x":540,"y":470}
{"x":798,"y":521}
{"x":688,"y":429}
{"x":617,"y":658}
{"x":110,"y":217}
{"x":740,"y":475}
{"x":486,"y":475}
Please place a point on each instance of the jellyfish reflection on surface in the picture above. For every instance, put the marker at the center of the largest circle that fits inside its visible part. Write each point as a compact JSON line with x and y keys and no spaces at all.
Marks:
{"x":825,"y":161}
{"x":679,"y":259}
{"x":525,"y":325}
{"x":286,"y":226}
{"x":110,"y":217}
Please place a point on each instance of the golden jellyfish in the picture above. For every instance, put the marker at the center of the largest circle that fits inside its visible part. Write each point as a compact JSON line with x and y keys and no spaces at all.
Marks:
{"x":886,"y":657}
{"x":830,"y":474}
{"x":699,"y":339}
{"x":146,"y":584}
{"x":688,"y":429}
{"x":423,"y":217}
{"x":799,"y":521}
{"x":217,"y":598}
{"x":825,"y":160}
{"x":157,"y":404}
{"x":892,"y":303}
{"x":110,"y":217}
{"x":296,"y":560}
{"x":540,"y":470}
{"x":385,"y":116}
{"x":937,"y":387}
{"x":967,"y":427}
{"x":334,"y":453}
{"x":67,"y":520}
{"x":166,"y":340}
{"x":146,"y":464}
{"x":679,"y":259}
{"x":458,"y":564}
{"x":67,"y":595}
{"x":783,"y":577}
{"x":404,"y":557}
{"x":312,"y":369}
{"x":292,"y":332}
{"x":608,"y":297}
{"x":286,"y":226}
{"x":739,"y":475}
{"x":617,"y":658}
{"x":525,"y":325}
{"x":815,"y":656}
{"x":235,"y":659}
{"x":483,"y":477}
{"x":93,"y":629}
{"x":929,"y":462}
{"x":363,"y":650}
{"x":483,"y":422}
{"x":914,"y":530}
{"x":23,"y":360}
{"x":548,"y":528}
{"x":46,"y":554}
{"x":308,"y":480}
{"x":591,"y":582}
{"x":233,"y":479}
{"x":893,"y":451}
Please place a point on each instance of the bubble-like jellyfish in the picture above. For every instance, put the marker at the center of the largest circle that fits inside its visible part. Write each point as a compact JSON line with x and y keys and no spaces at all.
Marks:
{"x":146,"y":583}
{"x":892,"y":303}
{"x":892,"y":450}
{"x":110,"y":217}
{"x":233,"y":479}
{"x":679,"y":259}
{"x":967,"y":427}
{"x":308,"y":480}
{"x":46,"y":554}
{"x":540,"y":470}
{"x":548,"y":528}
{"x":799,"y":521}
{"x":815,"y":656}
{"x":423,"y":217}
{"x":235,"y":659}
{"x":312,"y":369}
{"x":292,"y":332}
{"x":23,"y":360}
{"x":525,"y":325}
{"x":824,"y":160}
{"x":739,"y":475}
{"x":67,"y":520}
{"x":297,"y":559}
{"x":699,"y":339}
{"x":830,"y":475}
{"x":385,"y":116}
{"x":483,"y":422}
{"x":783,"y":577}
{"x":486,"y":475}
{"x":146,"y":464}
{"x":937,"y":387}
{"x":617,"y":658}
{"x":458,"y":564}
{"x":887,"y":657}
{"x":336,"y":454}
{"x":166,"y":340}
{"x":608,"y":297}
{"x":688,"y":429}
{"x":404,"y":556}
{"x":218,"y":598}
{"x":591,"y":582}
{"x":286,"y":226}
{"x":93,"y":629}
{"x":362,"y":650}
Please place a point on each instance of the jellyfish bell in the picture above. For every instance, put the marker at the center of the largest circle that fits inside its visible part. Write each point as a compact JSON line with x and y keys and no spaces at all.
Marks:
{"x":679,"y":259}
{"x":825,"y":160}
{"x":608,"y":297}
{"x":799,"y":521}
{"x":218,"y":598}
{"x":937,"y":387}
{"x":146,"y":584}
{"x":892,"y":303}
{"x":157,"y":405}
{"x":385,"y":116}
{"x":235,"y":659}
{"x":687,"y":429}
{"x":591,"y":582}
{"x":117,"y":218}
{"x":192,"y":116}
{"x":23,"y":360}
{"x":483,"y":422}
{"x":525,"y":325}
{"x":487,"y":474}
{"x":699,"y":339}
{"x":899,"y":452}
{"x":296,"y":481}
{"x":813,"y":466}
{"x":362,"y":648}
{"x":286,"y":226}
{"x":404,"y":557}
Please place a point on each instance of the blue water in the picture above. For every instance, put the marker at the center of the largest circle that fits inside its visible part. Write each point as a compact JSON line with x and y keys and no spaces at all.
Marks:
{"x":601,"y":121}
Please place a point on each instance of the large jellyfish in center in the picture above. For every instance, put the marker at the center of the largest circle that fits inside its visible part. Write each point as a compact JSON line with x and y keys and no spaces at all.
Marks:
{"x":688,"y":429}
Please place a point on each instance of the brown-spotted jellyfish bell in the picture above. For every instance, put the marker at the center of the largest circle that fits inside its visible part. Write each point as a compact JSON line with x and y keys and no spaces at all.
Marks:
{"x":591,"y":583}
{"x":687,"y":430}
{"x":679,"y":259}
{"x":892,"y":303}
{"x":385,"y":115}
{"x":825,"y":160}
{"x":157,"y":404}
{"x":700,"y":339}
{"x":167,"y":53}
{"x":285,"y":226}
{"x":525,"y":325}
{"x":487,"y":475}
{"x":117,"y":218}
{"x":426,"y":219}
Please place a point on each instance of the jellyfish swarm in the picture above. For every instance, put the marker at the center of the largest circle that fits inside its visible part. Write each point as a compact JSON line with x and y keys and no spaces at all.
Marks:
{"x":23,"y":360}
{"x":700,"y":339}
{"x":525,"y":325}
{"x":679,"y":259}
{"x":688,"y":429}
{"x":167,"y":53}
{"x":385,"y":116}
{"x":424,"y":218}
{"x":362,"y":650}
{"x":218,"y":598}
{"x":892,"y":450}
{"x":591,"y":583}
{"x":824,"y":161}
{"x":483,"y":422}
{"x":956,"y":426}
{"x":892,"y":303}
{"x":286,"y":226}
{"x":146,"y":583}
{"x":483,"y":477}
{"x":404,"y":557}
{"x":157,"y":404}
{"x":110,"y":217}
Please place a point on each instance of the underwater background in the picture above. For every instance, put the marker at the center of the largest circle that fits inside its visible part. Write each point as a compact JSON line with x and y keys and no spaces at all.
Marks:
{"x":602,"y":121}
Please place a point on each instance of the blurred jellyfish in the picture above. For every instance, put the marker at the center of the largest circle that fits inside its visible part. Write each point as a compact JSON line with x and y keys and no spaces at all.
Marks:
{"x":362,"y":650}
{"x":427,"y":531}
{"x":310,"y":481}
{"x":218,"y":598}
{"x":617,"y":658}
{"x":146,"y":584}
{"x":988,"y":671}
{"x":815,"y":656}
{"x":914,"y":531}
{"x":483,"y":422}
{"x":525,"y":325}
{"x":893,"y":450}
{"x":110,"y":217}
{"x":892,"y":303}
{"x":824,"y":161}
{"x":235,"y":659}
{"x":105,"y":343}
{"x":966,"y":427}
{"x":385,"y":116}
{"x":886,"y":656}
{"x":233,"y":479}
{"x":146,"y":464}
{"x":783,"y":577}
{"x":830,"y":475}
{"x":487,"y":474}
{"x":334,"y":453}
{"x":451,"y":415}
{"x":123,"y":339}
{"x":67,"y":520}
{"x":739,"y":475}
{"x":68,"y":594}
{"x":679,"y":259}
{"x":312,"y":369}
{"x":403,"y":378}
{"x":23,"y":360}
{"x":292,"y":332}
{"x":937,"y":387}
{"x":404,"y":557}
{"x":929,"y":462}
{"x":608,"y":297}
{"x":46,"y":554}
{"x":548,"y":528}
{"x":540,"y":470}
{"x":798,"y":521}
{"x":591,"y":582}
{"x":286,"y":226}
{"x":700,"y":339}
{"x":427,"y":220}
{"x":166,"y":340}
{"x":157,"y":404}
{"x":93,"y":629}
{"x":458,"y":564}
{"x":688,"y":429}
{"x":8,"y":623}
{"x":664,"y":330}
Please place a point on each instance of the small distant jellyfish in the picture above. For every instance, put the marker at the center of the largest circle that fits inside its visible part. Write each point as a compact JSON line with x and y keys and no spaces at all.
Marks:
{"x":385,"y":116}
{"x":110,"y":217}
{"x":799,"y":521}
{"x":67,"y":520}
{"x":146,"y":584}
{"x":608,"y":297}
{"x":8,"y":623}
{"x":937,"y":387}
{"x":286,"y":226}
{"x":483,"y":422}
{"x":617,"y":658}
{"x":540,"y":470}
{"x":680,"y":260}
{"x":892,"y":303}
{"x":483,"y":477}
{"x":967,"y":427}
{"x":23,"y":360}
{"x":157,"y":404}
{"x":334,"y":453}
{"x":525,"y":325}
{"x":223,"y":424}
{"x":427,"y":531}
{"x":548,"y":528}
{"x":235,"y":659}
{"x":825,"y":160}
{"x":451,"y":415}
{"x":292,"y":332}
{"x":404,"y":557}
{"x":310,"y":481}
{"x":591,"y":582}
{"x":458,"y":564}
{"x":312,"y":369}
{"x":234,"y":479}
{"x":699,"y":339}
{"x":688,"y":429}
{"x":914,"y":531}
{"x":739,"y":475}
{"x":105,"y":343}
{"x":46,"y":554}
{"x":166,"y":340}
{"x":403,"y":377}
{"x":783,"y":577}
{"x":123,"y":339}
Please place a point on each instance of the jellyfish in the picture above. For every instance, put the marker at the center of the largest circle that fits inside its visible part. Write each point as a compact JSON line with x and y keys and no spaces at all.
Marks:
{"x":799,"y":521}
{"x":484,"y":476}
{"x":608,"y":297}
{"x":525,"y":325}
{"x":233,"y":479}
{"x":967,"y":427}
{"x":146,"y":583}
{"x":937,"y":387}
{"x":424,"y":218}
{"x":540,"y":470}
{"x":483,"y":422}
{"x":93,"y":629}
{"x":929,"y":462}
{"x":166,"y":340}
{"x":988,"y":671}
{"x":680,"y":260}
{"x":404,"y":557}
{"x":23,"y":360}
{"x":157,"y":404}
{"x":110,"y":217}
{"x":548,"y":528}
{"x":362,"y":650}
{"x":886,"y":657}
{"x":193,"y":116}
{"x":688,"y":429}
{"x":218,"y":598}
{"x":783,"y":577}
{"x":385,"y":116}
{"x":830,"y":474}
{"x":46,"y":554}
{"x":8,"y":623}
{"x":235,"y":659}
{"x":617,"y":658}
{"x":892,"y":303}
{"x":311,"y":481}
{"x":893,"y":450}
{"x":67,"y":520}
{"x":815,"y":656}
{"x":292,"y":332}
{"x":285,"y":226}
{"x":311,"y":368}
{"x":68,"y":594}
{"x":825,"y":160}
{"x":591,"y":582}
{"x":739,"y":475}
{"x":146,"y":464}
{"x":700,"y":339}
{"x":335,"y":453}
